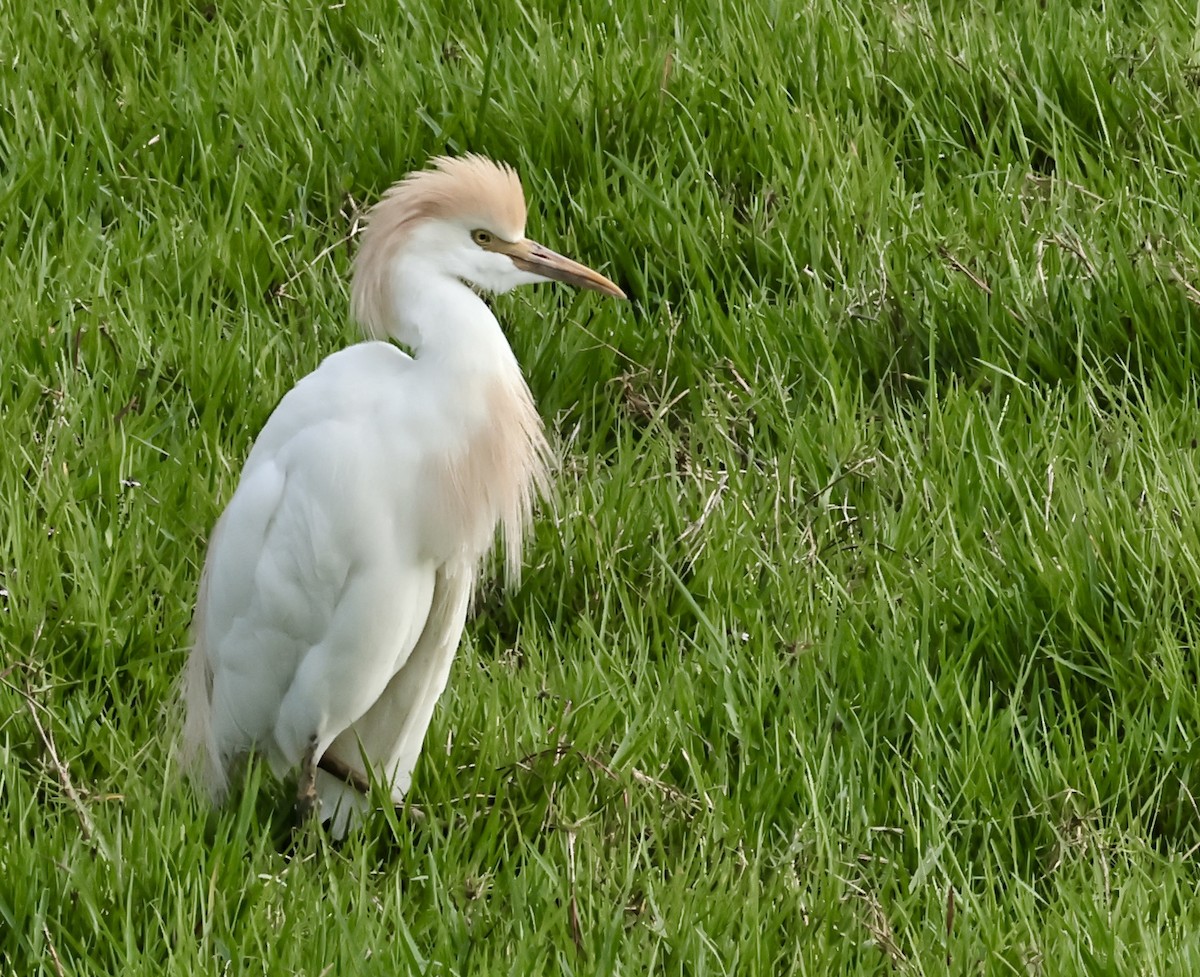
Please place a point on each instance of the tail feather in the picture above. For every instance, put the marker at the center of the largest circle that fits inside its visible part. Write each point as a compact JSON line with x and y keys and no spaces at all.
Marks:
{"x":198,"y":753}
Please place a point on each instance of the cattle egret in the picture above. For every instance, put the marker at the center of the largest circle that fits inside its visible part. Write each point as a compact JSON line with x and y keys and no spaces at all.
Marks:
{"x":337,"y":580}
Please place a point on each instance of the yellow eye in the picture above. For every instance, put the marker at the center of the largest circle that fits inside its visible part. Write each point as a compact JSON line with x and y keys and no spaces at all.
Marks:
{"x":481,"y":237}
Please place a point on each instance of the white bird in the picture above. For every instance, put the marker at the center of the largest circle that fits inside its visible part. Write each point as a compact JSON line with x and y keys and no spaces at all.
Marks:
{"x":337,"y":580}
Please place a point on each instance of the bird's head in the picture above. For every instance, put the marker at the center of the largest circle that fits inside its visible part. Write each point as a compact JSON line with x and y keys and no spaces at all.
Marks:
{"x":463,"y":217}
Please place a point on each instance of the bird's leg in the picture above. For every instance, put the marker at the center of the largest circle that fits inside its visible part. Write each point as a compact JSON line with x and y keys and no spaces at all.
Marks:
{"x":306,"y":788}
{"x":344,"y":772}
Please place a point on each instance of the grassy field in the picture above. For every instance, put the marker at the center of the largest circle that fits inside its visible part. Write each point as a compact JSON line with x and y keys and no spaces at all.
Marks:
{"x":860,"y":634}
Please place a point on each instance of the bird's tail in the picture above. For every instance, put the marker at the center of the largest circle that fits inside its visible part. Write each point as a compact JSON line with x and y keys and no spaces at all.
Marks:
{"x":198,"y":753}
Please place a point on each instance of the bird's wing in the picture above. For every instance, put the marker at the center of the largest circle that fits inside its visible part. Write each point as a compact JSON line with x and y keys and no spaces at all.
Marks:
{"x":315,"y":593}
{"x":391,"y":732}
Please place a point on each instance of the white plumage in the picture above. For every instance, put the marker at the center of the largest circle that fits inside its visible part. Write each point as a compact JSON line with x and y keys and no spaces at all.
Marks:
{"x":338,"y":578}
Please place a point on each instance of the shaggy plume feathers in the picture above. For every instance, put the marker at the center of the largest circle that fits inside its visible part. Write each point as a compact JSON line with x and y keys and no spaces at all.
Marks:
{"x":503,"y":469}
{"x":470,"y":188}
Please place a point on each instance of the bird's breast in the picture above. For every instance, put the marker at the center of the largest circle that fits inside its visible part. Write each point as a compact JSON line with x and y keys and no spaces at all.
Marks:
{"x":491,"y":473}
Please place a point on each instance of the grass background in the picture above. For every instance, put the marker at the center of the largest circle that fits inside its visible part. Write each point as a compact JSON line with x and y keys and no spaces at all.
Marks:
{"x":860,"y":636}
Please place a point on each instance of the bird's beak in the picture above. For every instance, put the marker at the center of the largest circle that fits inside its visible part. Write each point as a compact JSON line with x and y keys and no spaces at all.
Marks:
{"x":533,"y":257}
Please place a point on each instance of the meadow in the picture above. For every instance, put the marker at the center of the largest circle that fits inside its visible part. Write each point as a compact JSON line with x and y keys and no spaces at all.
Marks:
{"x":859,"y":634}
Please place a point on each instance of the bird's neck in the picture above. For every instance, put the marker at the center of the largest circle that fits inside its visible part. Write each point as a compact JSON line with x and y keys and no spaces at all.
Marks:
{"x":495,"y":455}
{"x":447,"y":325}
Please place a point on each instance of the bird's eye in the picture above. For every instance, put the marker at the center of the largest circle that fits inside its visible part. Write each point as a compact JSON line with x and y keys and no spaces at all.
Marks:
{"x":481,"y":237}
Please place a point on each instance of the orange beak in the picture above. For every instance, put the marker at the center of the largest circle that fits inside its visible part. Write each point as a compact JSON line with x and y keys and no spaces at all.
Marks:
{"x":533,"y":257}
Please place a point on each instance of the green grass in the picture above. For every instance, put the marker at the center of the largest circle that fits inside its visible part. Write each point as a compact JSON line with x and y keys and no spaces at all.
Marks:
{"x":873,"y":570}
